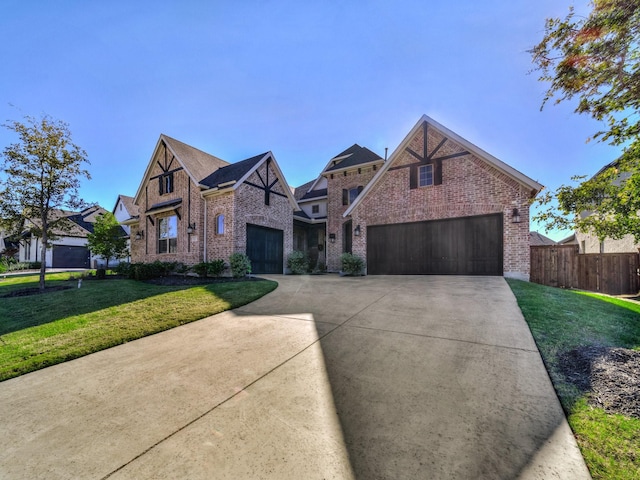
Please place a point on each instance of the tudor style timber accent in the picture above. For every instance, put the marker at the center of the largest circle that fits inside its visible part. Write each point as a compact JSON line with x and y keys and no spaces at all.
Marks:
{"x":196,"y":207}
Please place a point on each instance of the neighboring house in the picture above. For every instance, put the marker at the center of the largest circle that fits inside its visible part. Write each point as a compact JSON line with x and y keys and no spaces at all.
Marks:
{"x":195,"y":207}
{"x":570,"y":240}
{"x":537,"y":239}
{"x":68,"y":248}
{"x":590,"y":243}
{"x":125,"y":209}
{"x":438,"y":205}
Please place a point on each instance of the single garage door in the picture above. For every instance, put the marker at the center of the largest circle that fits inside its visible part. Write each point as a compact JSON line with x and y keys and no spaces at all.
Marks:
{"x":264,"y":249}
{"x":70,"y":257}
{"x":456,"y":246}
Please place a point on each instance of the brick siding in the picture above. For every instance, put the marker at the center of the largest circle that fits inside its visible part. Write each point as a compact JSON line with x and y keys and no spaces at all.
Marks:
{"x":469,"y":187}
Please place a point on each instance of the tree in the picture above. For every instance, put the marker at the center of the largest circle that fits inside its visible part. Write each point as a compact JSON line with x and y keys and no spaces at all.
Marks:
{"x":108,"y":240}
{"x":596,"y":59}
{"x":42,"y":173}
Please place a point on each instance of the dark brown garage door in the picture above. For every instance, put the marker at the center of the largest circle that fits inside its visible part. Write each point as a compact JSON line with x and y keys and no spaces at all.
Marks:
{"x":70,"y":257}
{"x":264,"y":249}
{"x":457,"y":246}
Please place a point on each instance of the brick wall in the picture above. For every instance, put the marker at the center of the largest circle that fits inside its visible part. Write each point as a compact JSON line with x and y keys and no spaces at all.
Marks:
{"x":250,"y":208}
{"x":469,"y":187}
{"x":335,"y":209}
{"x":189,"y":247}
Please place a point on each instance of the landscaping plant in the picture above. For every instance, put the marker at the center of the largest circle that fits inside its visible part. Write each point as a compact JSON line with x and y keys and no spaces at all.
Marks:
{"x":298,"y":262}
{"x":351,"y":264}
{"x":240,"y":265}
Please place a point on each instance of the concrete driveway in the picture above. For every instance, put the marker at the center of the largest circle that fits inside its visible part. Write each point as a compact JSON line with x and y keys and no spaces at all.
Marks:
{"x":325,"y":378}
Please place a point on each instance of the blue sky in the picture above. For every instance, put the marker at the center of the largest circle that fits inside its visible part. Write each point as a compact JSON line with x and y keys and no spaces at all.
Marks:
{"x":303,"y":79}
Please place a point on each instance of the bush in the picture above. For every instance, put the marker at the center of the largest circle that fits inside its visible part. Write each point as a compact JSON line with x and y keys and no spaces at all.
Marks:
{"x":298,"y":262}
{"x":351,"y":264}
{"x":123,"y":268}
{"x":101,"y":273}
{"x":147,"y":271}
{"x":214,"y":268}
{"x":34,"y":265}
{"x":240,"y":265}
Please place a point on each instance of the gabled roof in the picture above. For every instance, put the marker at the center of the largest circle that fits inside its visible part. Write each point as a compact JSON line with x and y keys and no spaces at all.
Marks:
{"x":539,"y":239}
{"x":533,"y":186}
{"x":352,"y":157}
{"x":313,"y":194}
{"x":303,"y":189}
{"x":196,"y":163}
{"x":127,"y":201}
{"x":232,"y":172}
{"x":73,"y":224}
{"x":232,"y":178}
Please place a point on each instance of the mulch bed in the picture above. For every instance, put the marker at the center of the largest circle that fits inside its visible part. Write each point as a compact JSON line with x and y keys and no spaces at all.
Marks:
{"x":189,"y":280}
{"x":26,"y":292}
{"x":610,"y":377}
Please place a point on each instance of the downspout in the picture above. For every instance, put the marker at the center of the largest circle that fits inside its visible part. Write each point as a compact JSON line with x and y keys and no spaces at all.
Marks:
{"x":204,"y":227}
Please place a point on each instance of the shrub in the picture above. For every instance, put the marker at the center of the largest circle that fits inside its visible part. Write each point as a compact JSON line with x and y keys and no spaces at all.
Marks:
{"x":351,"y":264}
{"x":240,"y":265}
{"x":101,"y":273}
{"x":147,"y":271}
{"x":34,"y":265}
{"x":298,"y":262}
{"x":214,"y":268}
{"x":123,"y":268}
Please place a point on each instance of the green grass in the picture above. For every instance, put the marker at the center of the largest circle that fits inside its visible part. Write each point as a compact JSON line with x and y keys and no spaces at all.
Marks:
{"x":42,"y":330}
{"x":562,"y":320}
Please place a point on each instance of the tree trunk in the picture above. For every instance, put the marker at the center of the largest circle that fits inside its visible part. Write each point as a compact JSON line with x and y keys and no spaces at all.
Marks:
{"x":43,"y":256}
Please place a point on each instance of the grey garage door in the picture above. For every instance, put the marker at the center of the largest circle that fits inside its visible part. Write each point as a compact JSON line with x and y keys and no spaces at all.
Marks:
{"x":265,"y":249}
{"x":456,"y":246}
{"x":70,"y":257}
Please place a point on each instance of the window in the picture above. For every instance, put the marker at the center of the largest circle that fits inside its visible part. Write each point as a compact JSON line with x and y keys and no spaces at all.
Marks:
{"x":220,"y":224}
{"x":315,"y":208}
{"x":166,"y":183}
{"x":426,"y":175}
{"x":349,"y":196}
{"x":168,"y":234}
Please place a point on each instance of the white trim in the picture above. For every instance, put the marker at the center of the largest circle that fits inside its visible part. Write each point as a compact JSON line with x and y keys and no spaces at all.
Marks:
{"x":521,"y":178}
{"x":309,"y":200}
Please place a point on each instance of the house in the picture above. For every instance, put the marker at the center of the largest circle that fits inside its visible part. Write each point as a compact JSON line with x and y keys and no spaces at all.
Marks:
{"x":194,"y":207}
{"x":125,"y":209}
{"x":590,"y":243}
{"x":68,"y":248}
{"x":437,"y":205}
{"x":537,"y":239}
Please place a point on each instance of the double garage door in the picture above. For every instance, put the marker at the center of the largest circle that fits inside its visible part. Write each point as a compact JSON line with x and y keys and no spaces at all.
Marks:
{"x":70,"y":257}
{"x":457,"y":246}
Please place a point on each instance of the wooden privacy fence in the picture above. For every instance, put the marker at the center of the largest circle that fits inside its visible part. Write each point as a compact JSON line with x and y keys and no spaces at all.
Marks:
{"x":562,"y":266}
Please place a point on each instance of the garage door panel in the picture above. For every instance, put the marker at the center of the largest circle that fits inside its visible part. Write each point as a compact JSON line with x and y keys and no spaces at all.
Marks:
{"x":461,"y":246}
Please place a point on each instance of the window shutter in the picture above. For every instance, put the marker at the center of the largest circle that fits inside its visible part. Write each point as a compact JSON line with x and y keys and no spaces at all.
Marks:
{"x":437,"y":173}
{"x":161,"y":184}
{"x":360,"y":189}
{"x":345,"y":196}
{"x":413,"y":176}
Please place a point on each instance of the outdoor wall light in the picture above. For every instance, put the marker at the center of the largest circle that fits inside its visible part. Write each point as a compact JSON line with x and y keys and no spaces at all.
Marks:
{"x":191,"y":228}
{"x":332,"y":237}
{"x":140,"y":235}
{"x":515,"y":216}
{"x":356,"y":231}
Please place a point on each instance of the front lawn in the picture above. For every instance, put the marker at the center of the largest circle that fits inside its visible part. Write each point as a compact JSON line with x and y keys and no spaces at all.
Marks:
{"x":42,"y":330}
{"x":564,"y":322}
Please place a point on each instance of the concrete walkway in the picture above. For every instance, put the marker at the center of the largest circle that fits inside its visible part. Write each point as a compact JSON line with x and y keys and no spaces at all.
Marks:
{"x":325,"y":378}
